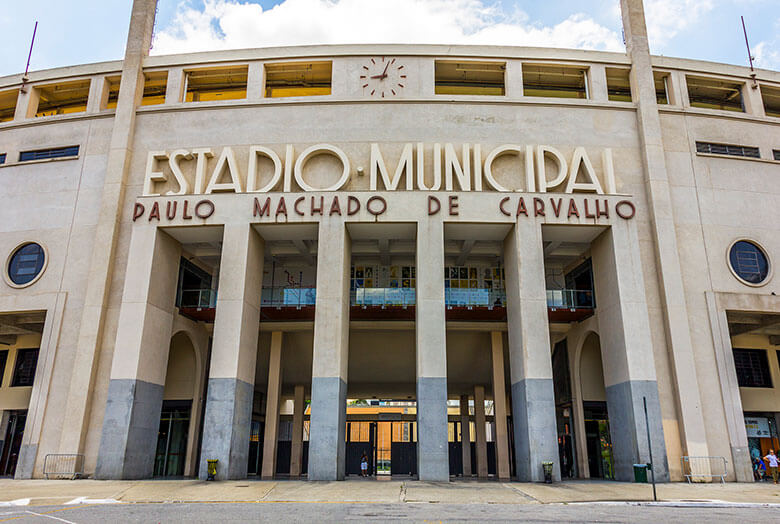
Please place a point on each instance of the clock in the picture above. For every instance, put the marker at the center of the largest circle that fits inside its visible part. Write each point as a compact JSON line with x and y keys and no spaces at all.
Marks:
{"x":383,"y":77}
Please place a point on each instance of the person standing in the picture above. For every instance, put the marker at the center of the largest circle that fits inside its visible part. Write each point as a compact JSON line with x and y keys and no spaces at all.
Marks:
{"x":364,"y":465}
{"x":771,"y":459}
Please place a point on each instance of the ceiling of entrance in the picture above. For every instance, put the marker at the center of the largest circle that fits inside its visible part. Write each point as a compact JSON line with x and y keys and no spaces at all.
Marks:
{"x":16,"y":324}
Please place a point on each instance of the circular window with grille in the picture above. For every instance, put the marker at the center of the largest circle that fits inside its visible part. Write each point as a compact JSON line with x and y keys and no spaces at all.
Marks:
{"x":749,"y":262}
{"x":25,"y":265}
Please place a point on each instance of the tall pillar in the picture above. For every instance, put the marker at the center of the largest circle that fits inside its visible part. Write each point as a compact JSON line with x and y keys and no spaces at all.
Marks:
{"x":273,"y":400}
{"x":465,"y":434}
{"x":675,"y":310}
{"x":729,"y":390}
{"x":103,"y":254}
{"x":433,"y":461}
{"x":627,"y":352}
{"x":296,"y":452}
{"x":499,"y":405}
{"x":530,"y":364}
{"x":480,"y":431}
{"x":331,"y":348}
{"x":135,"y":391}
{"x":231,"y":384}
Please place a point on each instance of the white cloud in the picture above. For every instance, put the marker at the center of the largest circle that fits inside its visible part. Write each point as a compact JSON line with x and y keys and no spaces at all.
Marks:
{"x":667,"y":18}
{"x":766,"y":54}
{"x":232,"y":24}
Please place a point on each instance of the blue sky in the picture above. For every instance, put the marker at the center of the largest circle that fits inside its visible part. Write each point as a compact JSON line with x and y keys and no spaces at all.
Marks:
{"x":82,"y":31}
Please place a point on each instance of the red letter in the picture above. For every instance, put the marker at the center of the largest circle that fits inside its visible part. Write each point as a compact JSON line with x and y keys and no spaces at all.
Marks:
{"x":556,"y":209}
{"x":521,"y":208}
{"x":138,"y":212}
{"x":352,"y":210}
{"x":184,"y":214}
{"x":281,"y":208}
{"x":588,"y":214}
{"x":573,"y":209}
{"x":454,"y":205}
{"x":317,"y":209}
{"x":208,"y":203}
{"x":501,"y":206}
{"x":631,"y":207}
{"x":538,"y":207}
{"x":431,"y":201}
{"x":335,"y":207}
{"x":155,"y":212}
{"x":260,"y":211}
{"x":376,"y":199}
{"x":295,"y":205}
{"x":599,"y":212}
{"x":168,"y":214}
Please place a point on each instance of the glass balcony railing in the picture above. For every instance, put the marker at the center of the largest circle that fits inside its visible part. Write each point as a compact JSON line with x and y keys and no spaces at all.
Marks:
{"x":382,"y":296}
{"x":288,"y":297}
{"x":570,"y":298}
{"x":198,"y":298}
{"x":474,"y":297}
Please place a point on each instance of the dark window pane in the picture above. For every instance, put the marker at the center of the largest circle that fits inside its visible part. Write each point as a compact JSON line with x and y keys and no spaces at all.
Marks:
{"x":752,"y":367}
{"x":749,"y":262}
{"x":2,"y":158}
{"x":24,"y":371}
{"x":727,"y":149}
{"x":42,"y":154}
{"x":26,"y":263}
{"x":3,"y":360}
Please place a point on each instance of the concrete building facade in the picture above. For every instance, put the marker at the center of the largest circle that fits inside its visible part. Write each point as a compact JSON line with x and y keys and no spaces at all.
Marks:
{"x":525,"y":255}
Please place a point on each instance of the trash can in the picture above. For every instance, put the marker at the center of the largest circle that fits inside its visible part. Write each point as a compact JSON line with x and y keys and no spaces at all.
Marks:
{"x":547,"y":467}
{"x":212,"y":469}
{"x":640,"y":473}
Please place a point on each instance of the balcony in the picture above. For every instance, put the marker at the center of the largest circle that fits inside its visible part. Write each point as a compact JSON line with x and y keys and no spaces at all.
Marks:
{"x":471,"y":304}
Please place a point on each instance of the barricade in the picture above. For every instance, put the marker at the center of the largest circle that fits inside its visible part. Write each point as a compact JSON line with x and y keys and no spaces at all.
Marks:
{"x":704,"y":467}
{"x":63,"y":466}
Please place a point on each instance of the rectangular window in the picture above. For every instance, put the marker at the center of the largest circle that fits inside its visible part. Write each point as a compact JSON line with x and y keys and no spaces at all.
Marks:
{"x":8,"y":104}
{"x":214,"y":84}
{"x":555,"y":81}
{"x":43,"y":154}
{"x":752,"y":368}
{"x":24,"y":370}
{"x":771,"y":98}
{"x":2,"y":158}
{"x":661,"y":87}
{"x":710,"y":93}
{"x":155,"y":85}
{"x":727,"y":149}
{"x":298,"y":79}
{"x":61,"y":99}
{"x":618,"y":84}
{"x":469,"y":78}
{"x":776,"y":154}
{"x":3,"y":360}
{"x":111,"y":92}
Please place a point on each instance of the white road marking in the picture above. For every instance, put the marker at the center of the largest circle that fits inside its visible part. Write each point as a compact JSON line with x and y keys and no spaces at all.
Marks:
{"x":86,"y":500}
{"x":49,"y":517}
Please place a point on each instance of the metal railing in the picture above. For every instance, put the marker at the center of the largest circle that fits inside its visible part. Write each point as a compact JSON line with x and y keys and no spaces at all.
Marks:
{"x":296,"y":297}
{"x":705,"y":467}
{"x":63,"y":465}
{"x":383,"y":296}
{"x":570,"y":298}
{"x":474,"y":297}
{"x":198,"y":298}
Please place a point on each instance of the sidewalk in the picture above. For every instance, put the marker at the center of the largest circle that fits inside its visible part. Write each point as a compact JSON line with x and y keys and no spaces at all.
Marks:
{"x":48,"y":492}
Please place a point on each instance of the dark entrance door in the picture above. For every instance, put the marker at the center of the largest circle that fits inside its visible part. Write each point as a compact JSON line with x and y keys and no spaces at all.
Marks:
{"x":597,"y":440}
{"x":356,"y":448}
{"x":172,"y":438}
{"x":13,"y":442}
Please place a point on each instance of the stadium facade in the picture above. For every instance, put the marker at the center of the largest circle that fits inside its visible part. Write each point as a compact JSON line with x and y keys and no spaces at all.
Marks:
{"x":460,"y":260}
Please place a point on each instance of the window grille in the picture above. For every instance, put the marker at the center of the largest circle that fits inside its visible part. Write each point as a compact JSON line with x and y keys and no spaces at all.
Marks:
{"x":752,"y":367}
{"x":24,"y":370}
{"x":726,"y":149}
{"x":43,"y":154}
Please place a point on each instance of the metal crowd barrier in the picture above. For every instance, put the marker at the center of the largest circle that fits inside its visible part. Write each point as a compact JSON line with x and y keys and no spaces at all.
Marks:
{"x":706,"y":467}
{"x":61,"y":465}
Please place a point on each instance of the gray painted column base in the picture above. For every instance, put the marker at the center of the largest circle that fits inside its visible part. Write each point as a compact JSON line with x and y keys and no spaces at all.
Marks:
{"x":130,"y":428}
{"x":536,"y":438}
{"x":743,"y":466}
{"x":628,"y":431}
{"x":25,"y":465}
{"x":433,"y":459}
{"x":227,"y":427}
{"x":327,"y":429}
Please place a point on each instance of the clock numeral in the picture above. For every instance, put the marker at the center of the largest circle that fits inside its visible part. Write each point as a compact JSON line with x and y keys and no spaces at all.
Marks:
{"x":362,"y":76}
{"x":392,"y":61}
{"x":403,"y":76}
{"x":400,"y":85}
{"x":373,"y":61}
{"x":383,"y":94}
{"x":400,"y":67}
{"x":383,"y":59}
{"x":373,"y":91}
{"x":365,"y":85}
{"x":365,"y":67}
{"x":392,"y":91}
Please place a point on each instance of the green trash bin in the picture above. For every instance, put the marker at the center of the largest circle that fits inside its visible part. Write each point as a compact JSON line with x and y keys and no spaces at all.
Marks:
{"x":640,"y":473}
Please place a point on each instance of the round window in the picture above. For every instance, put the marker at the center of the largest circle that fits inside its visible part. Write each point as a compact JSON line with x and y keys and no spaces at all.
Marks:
{"x":26,"y":264}
{"x":749,"y":262}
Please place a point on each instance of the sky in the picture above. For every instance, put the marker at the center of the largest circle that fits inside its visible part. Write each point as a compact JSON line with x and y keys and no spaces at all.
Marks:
{"x":83,"y":31}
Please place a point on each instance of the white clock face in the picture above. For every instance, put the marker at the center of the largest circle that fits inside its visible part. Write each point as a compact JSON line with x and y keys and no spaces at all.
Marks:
{"x":383,"y":77}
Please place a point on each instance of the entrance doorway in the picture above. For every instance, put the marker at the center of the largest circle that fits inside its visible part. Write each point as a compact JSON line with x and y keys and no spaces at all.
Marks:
{"x":597,"y":440}
{"x":12,"y":442}
{"x":390,"y":446}
{"x":172,"y":438}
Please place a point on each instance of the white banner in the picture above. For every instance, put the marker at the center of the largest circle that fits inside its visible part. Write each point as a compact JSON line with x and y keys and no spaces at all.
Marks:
{"x":757,"y":427}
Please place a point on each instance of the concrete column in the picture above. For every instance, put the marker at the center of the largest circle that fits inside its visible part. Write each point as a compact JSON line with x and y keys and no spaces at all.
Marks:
{"x":331,"y":349}
{"x":751,"y":98}
{"x":135,"y":391}
{"x":433,"y":462}
{"x":255,"y":81}
{"x":627,"y":351}
{"x":729,"y":390}
{"x":597,"y":82}
{"x":98,"y":94}
{"x":465,"y":434}
{"x":499,"y":403}
{"x":174,"y":86}
{"x":480,"y":431}
{"x":530,"y":365}
{"x":513,"y":79}
{"x":231,"y":383}
{"x":273,"y":399}
{"x":102,"y":257}
{"x":296,"y":452}
{"x":677,"y":89}
{"x":26,"y":104}
{"x":674,"y":308}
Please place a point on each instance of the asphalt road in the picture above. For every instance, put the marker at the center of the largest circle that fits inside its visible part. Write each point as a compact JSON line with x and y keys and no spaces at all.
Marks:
{"x":408,"y":512}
